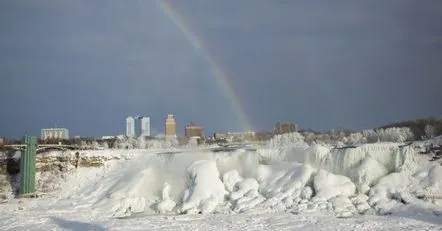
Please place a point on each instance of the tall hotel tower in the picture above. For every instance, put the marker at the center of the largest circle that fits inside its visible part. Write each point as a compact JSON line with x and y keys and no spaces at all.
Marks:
{"x":130,"y":126}
{"x":170,"y":126}
{"x":145,"y":126}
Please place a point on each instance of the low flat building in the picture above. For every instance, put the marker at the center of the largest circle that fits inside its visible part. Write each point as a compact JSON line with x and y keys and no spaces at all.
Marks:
{"x":108,"y":137}
{"x":54,"y":133}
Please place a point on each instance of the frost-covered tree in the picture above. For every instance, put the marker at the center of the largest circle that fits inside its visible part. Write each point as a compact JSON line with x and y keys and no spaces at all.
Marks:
{"x":126,"y":143}
{"x":83,"y":144}
{"x":163,"y":142}
{"x":309,"y":137}
{"x":355,"y":139}
{"x":192,"y":143}
{"x":430,"y":131}
{"x":105,"y":145}
{"x":287,"y":139}
{"x":95,"y":145}
{"x":370,"y":135}
{"x":141,"y":142}
{"x":395,"y":134}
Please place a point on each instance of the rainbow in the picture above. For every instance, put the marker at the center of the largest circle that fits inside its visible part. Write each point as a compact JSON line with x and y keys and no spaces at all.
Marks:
{"x":220,"y":76}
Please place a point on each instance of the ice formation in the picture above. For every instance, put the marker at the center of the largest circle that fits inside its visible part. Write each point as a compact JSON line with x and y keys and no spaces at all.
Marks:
{"x":205,"y":190}
{"x":328,"y":186}
{"x":166,"y":204}
{"x":371,"y":178}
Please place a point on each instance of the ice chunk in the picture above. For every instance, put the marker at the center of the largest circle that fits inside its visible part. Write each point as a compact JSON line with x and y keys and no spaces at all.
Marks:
{"x":306,"y":193}
{"x":166,"y":205}
{"x":230,"y":179}
{"x":206,"y":190}
{"x":244,"y":187}
{"x":341,"y":204}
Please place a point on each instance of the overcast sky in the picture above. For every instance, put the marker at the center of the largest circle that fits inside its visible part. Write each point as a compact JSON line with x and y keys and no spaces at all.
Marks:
{"x":86,"y":65}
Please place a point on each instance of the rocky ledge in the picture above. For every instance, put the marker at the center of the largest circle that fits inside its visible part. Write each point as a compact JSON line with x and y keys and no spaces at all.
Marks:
{"x":48,"y":166}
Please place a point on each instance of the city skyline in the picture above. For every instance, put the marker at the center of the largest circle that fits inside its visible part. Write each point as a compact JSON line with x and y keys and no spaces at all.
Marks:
{"x":224,"y":64}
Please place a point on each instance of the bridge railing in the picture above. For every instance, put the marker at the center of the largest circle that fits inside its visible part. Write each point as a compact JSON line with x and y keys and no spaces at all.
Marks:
{"x":42,"y":147}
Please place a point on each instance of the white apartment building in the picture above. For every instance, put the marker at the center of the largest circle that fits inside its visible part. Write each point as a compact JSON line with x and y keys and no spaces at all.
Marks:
{"x":54,"y":133}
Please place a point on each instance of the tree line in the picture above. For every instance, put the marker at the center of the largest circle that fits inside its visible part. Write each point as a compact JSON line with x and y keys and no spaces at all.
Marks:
{"x":422,"y":128}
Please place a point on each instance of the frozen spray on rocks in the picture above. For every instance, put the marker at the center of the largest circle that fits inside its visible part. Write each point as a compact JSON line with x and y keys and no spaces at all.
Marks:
{"x":286,"y":175}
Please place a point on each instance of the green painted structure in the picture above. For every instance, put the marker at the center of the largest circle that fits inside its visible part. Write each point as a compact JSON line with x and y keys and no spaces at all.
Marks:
{"x":27,"y":166}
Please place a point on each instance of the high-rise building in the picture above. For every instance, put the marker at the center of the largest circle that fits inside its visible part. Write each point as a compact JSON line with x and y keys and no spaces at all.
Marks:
{"x":54,"y":133}
{"x":145,"y":126}
{"x":130,"y":126}
{"x":170,"y":126}
{"x":193,"y":130}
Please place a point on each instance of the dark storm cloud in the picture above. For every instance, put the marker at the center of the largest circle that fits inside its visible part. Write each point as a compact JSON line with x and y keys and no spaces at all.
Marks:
{"x":87,"y":65}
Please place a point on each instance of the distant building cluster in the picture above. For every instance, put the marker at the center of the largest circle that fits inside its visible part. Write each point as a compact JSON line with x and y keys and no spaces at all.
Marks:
{"x":54,"y":133}
{"x":191,"y":131}
{"x":170,"y":127}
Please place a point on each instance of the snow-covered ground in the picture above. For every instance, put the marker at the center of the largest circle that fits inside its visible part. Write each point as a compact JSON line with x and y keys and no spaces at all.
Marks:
{"x":287,"y":185}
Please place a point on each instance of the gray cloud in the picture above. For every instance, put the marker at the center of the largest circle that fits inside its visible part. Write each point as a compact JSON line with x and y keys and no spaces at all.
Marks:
{"x":86,"y":65}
